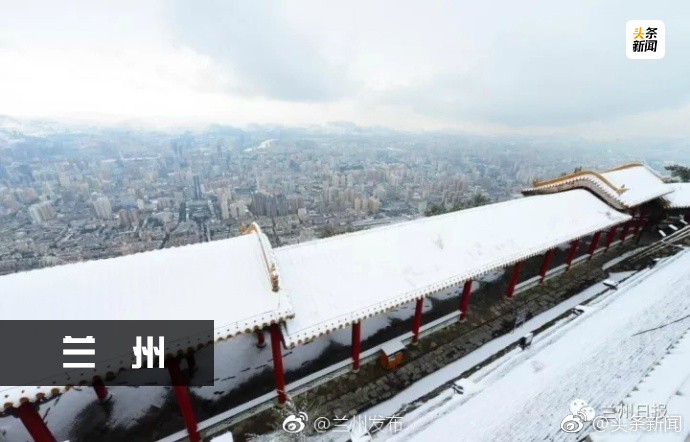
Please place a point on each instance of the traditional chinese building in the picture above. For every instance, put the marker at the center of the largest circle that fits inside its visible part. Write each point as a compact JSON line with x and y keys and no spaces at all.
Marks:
{"x":298,"y":293}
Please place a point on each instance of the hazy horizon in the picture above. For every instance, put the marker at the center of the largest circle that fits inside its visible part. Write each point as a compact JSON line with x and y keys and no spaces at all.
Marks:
{"x":495,"y":68}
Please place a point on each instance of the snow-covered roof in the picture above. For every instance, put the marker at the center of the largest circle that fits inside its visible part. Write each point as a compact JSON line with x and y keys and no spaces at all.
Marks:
{"x":679,"y":198}
{"x":228,"y":281}
{"x":340,"y":280}
{"x":624,"y":187}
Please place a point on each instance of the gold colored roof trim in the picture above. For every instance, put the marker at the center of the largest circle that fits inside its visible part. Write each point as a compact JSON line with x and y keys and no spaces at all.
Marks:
{"x":627,"y":166}
{"x":270,"y":265}
{"x":585,"y":173}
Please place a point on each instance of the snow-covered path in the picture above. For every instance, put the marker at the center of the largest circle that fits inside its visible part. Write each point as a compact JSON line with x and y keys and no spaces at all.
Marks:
{"x":599,"y":357}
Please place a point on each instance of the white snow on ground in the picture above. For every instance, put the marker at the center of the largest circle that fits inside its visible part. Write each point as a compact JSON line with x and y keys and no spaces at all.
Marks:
{"x":667,"y":384}
{"x":613,"y":262}
{"x":394,"y":405}
{"x":598,"y":356}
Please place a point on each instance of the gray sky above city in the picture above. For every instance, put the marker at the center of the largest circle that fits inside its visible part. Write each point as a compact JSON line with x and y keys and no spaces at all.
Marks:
{"x":533,"y":67}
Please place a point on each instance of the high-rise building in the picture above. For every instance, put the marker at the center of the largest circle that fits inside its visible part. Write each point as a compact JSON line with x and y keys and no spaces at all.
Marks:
{"x":103,"y":208}
{"x":197,"y":187}
{"x":129,"y":216}
{"x":224,"y":209}
{"x":266,"y":204}
{"x":41,"y":212}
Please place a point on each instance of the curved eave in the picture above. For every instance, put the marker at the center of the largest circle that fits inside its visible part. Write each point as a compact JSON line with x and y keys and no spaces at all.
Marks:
{"x":602,"y":185}
{"x":597,"y":187}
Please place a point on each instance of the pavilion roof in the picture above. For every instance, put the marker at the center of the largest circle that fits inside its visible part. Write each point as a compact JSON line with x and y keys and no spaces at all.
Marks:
{"x":343,"y":279}
{"x":679,"y":198}
{"x":624,"y":187}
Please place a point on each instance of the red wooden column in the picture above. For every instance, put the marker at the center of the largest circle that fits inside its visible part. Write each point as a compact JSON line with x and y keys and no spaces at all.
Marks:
{"x":571,"y":254}
{"x":624,"y":232}
{"x":100,"y":389}
{"x":593,"y":244}
{"x":278,"y":363}
{"x":466,"y":290}
{"x":182,"y":396}
{"x":261,"y":340}
{"x":417,"y":320}
{"x":640,"y":222}
{"x":609,"y":238}
{"x":514,"y":279}
{"x":545,"y":265}
{"x":626,"y":226}
{"x":28,"y":414}
{"x":356,"y":335}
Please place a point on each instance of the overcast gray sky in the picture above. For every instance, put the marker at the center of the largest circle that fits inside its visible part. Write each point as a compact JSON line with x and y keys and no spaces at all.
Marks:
{"x":530,"y":67}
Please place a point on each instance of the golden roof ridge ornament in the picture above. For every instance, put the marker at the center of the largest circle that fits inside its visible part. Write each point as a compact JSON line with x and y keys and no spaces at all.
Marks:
{"x":626,"y":166}
{"x":582,"y":174}
{"x":270,"y":266}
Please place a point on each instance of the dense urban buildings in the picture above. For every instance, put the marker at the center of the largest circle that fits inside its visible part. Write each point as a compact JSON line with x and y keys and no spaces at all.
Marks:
{"x":73,"y":194}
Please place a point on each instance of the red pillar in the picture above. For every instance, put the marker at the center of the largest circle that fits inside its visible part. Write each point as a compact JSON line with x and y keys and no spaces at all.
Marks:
{"x":514,"y":279}
{"x":609,"y":238}
{"x":100,"y":389}
{"x":626,"y":226}
{"x":356,"y":334}
{"x":278,"y":362}
{"x":624,"y":233}
{"x":545,"y":265}
{"x":417,"y":320}
{"x":640,"y":222}
{"x":593,"y":244}
{"x":571,"y":253}
{"x":261,"y":340}
{"x":182,"y":396}
{"x":466,"y":290}
{"x":28,"y":414}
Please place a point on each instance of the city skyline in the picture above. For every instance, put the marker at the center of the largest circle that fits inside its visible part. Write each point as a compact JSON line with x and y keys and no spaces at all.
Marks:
{"x":69,"y":195}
